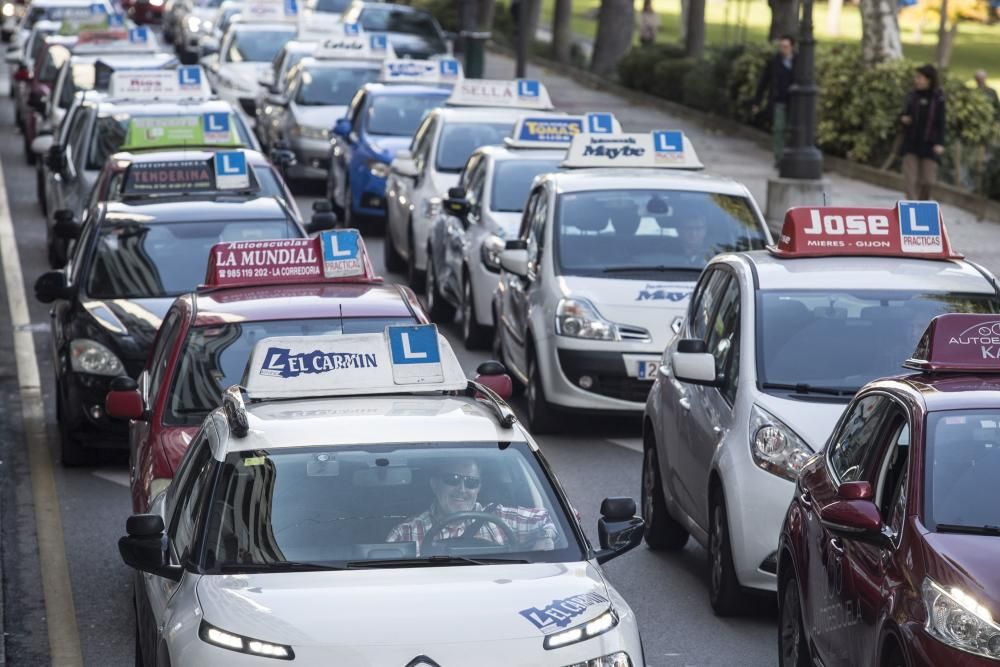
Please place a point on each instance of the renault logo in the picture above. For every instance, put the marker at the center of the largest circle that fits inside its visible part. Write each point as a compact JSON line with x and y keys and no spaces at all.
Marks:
{"x":422,"y":661}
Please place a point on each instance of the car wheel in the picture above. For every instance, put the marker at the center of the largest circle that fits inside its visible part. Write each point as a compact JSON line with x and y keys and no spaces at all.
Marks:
{"x":793,"y":650}
{"x":663,"y":532}
{"x":394,"y":262}
{"x":56,"y":249}
{"x":414,"y":276}
{"x":71,"y":450}
{"x":474,"y":335}
{"x":541,"y":415}
{"x":29,"y":154}
{"x":893,"y":656}
{"x":438,"y":309}
{"x":725,"y":592}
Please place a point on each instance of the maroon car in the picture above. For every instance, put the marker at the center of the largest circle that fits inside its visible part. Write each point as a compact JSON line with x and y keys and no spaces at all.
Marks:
{"x":890,"y":551}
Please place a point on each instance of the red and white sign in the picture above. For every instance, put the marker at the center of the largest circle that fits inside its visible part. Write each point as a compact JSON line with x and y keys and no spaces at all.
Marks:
{"x":912,"y":229}
{"x":959,"y":342}
{"x":280,"y":261}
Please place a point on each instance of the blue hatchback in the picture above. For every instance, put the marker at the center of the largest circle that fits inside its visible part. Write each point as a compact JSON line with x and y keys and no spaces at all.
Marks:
{"x":380,"y":122}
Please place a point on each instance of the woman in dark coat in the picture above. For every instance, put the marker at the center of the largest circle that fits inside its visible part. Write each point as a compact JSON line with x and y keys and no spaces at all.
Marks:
{"x":923,"y":120}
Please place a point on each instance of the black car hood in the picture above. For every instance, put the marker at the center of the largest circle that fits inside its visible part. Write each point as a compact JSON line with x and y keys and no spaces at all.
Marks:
{"x":130,"y":323}
{"x":415,"y":46}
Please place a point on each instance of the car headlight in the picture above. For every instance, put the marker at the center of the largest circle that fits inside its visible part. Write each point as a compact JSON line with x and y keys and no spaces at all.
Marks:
{"x":89,"y":356}
{"x":619,"y":659}
{"x":432,"y":207}
{"x":775,"y":447}
{"x":157,"y":486}
{"x":156,"y":3}
{"x":490,"y":252}
{"x":577,"y":318}
{"x":8,"y":10}
{"x":310,"y":132}
{"x":193,"y":23}
{"x":377,"y":168}
{"x":216,"y":637}
{"x":582,"y":632}
{"x":959,"y":620}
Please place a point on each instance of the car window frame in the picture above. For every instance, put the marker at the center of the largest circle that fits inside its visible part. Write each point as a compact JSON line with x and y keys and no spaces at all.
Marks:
{"x":184,"y":495}
{"x":837,"y":435}
{"x":724,"y":372}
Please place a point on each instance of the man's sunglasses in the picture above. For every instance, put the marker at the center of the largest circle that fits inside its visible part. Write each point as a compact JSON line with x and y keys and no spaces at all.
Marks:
{"x":455,"y":479}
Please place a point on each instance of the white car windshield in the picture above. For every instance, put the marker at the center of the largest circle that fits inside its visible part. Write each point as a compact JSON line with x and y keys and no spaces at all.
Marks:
{"x":257,"y":46}
{"x":385,"y":505}
{"x":650,"y":234}
{"x":835,"y":341}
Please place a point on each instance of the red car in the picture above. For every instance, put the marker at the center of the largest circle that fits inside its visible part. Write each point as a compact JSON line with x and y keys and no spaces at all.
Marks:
{"x":254,"y":290}
{"x":39,"y":90}
{"x":890,"y":550}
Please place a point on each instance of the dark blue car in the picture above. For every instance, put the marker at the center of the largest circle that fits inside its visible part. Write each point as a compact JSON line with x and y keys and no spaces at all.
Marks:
{"x":380,"y":121}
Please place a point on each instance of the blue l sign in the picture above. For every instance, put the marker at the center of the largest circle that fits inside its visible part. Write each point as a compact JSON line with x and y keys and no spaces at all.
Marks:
{"x":414,"y":345}
{"x":340,"y":244}
{"x":378,"y":43}
{"x":231,"y":171}
{"x":138,"y":35}
{"x":600,"y":123}
{"x":352,"y":29}
{"x":189,"y":76}
{"x":527,"y":88}
{"x":919,"y":218}
{"x":449,"y":67}
{"x":670,"y":141}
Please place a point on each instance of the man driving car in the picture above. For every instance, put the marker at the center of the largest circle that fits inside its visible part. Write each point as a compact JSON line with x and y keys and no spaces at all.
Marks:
{"x":456,"y":486}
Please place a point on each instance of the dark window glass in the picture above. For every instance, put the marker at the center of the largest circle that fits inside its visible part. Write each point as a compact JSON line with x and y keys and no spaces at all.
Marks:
{"x":399,"y":115}
{"x":723,"y":339}
{"x":419,"y":24}
{"x":459,"y":140}
{"x":512,"y":181}
{"x":857,"y":437}
{"x":826,"y":338}
{"x":331,"y":6}
{"x":214,"y":358}
{"x":329,"y":86}
{"x":137,"y":261}
{"x":710,"y":289}
{"x":191,"y":502}
{"x":257,"y":46}
{"x":652,"y":234}
{"x":962,"y":469}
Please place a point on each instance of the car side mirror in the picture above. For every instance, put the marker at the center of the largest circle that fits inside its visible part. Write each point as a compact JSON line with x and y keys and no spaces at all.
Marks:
{"x":56,"y":159}
{"x":854,"y":515}
{"x":493,"y":375}
{"x":619,"y":529}
{"x":144,"y":547}
{"x":692,"y":363}
{"x":322,"y":218}
{"x":282,"y":157}
{"x":277,"y":100}
{"x":208,"y":50}
{"x":38,"y":101}
{"x":41,"y":144}
{"x":65,"y":226}
{"x":124,"y":400}
{"x":52,"y":285}
{"x":343,"y":127}
{"x":515,"y":261}
{"x":404,"y":164}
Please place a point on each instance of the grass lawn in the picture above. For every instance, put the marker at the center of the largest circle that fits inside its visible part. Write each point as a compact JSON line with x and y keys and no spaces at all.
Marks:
{"x":977,"y":45}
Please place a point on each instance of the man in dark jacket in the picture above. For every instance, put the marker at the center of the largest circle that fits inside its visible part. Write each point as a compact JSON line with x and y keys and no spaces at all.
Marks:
{"x":923,"y":121}
{"x":775,"y":81}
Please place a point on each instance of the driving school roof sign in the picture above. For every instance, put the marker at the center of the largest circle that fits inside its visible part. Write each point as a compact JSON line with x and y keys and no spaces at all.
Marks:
{"x":208,"y":129}
{"x":401,"y":359}
{"x":668,"y":149}
{"x":184,"y":83}
{"x":354,"y":47}
{"x":959,"y":342}
{"x":333,"y":256}
{"x":911,"y":229}
{"x":516,"y":94}
{"x":443,"y":71}
{"x":558,"y":131}
{"x":224,"y":171}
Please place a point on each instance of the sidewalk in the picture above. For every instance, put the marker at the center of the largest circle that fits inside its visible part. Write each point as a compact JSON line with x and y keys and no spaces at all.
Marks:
{"x":743,"y":160}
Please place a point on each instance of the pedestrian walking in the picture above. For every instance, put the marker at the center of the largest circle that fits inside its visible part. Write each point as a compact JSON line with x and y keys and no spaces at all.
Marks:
{"x":649,"y":23}
{"x":923,"y":121}
{"x":989,"y":93}
{"x":775,"y":81}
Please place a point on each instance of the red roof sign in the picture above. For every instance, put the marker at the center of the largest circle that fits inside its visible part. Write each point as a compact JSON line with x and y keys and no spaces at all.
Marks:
{"x":959,"y":342}
{"x":335,"y":256}
{"x":911,"y":229}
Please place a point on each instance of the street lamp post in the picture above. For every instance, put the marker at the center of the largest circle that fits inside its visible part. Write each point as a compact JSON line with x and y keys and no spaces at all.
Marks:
{"x":801,"y":159}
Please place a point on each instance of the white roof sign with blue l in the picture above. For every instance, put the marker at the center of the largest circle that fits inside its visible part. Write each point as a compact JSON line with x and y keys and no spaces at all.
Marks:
{"x":558,"y":131}
{"x":403,"y":359}
{"x":515,"y":94}
{"x":355,"y":46}
{"x":405,"y":70}
{"x":231,"y":170}
{"x":184,"y":83}
{"x":662,"y":149}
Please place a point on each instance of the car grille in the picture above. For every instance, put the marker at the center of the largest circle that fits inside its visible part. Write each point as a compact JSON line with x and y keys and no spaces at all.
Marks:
{"x":631,"y":333}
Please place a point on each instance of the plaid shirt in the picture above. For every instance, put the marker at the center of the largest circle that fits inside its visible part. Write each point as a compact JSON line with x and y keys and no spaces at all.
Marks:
{"x":525,"y":522}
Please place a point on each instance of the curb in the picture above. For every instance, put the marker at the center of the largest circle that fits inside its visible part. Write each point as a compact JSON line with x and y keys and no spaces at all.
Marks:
{"x":981,"y":207}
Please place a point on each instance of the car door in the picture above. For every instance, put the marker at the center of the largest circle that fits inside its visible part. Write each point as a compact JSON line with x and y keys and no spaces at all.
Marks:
{"x":510,"y":326}
{"x":457,"y":231}
{"x":59,"y":180}
{"x":833,"y":602}
{"x":683,"y":405}
{"x":342,"y":156}
{"x":526,"y":292}
{"x":74,"y":191}
{"x":404,"y":187}
{"x":284,"y":117}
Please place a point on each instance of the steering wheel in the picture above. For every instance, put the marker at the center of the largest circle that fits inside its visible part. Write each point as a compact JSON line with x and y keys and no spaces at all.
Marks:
{"x":469,"y":536}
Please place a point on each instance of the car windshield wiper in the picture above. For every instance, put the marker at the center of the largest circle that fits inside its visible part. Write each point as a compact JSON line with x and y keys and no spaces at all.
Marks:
{"x":654,"y":267}
{"x":973,"y":530}
{"x":277,"y":566}
{"x":803,"y":388}
{"x":433,"y":561}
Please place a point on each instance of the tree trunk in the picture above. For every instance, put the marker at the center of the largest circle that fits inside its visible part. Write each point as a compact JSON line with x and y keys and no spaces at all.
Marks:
{"x":694,"y":42}
{"x":942,"y":33}
{"x":833,"y":17}
{"x":562,"y":30}
{"x":534,"y":14}
{"x":784,"y":18}
{"x":945,"y":50}
{"x":615,"y":25}
{"x":685,"y":10}
{"x":880,"y":38}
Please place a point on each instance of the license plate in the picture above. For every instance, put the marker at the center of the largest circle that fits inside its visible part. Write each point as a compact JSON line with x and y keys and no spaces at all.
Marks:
{"x":647,"y":369}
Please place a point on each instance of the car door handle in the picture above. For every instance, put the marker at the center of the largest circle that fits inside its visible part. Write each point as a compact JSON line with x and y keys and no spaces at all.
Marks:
{"x":685,"y":404}
{"x":836,"y":546}
{"x":717,"y":430}
{"x":806,"y":499}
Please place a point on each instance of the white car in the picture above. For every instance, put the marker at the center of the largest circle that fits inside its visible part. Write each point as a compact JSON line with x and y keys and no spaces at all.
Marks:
{"x":598,"y":277}
{"x":361,"y":503}
{"x":775,"y":344}
{"x":484,"y":210}
{"x":245,"y":57}
{"x":478,"y":113}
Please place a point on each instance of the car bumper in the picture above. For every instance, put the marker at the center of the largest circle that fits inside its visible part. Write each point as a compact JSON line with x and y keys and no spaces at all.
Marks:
{"x":312,"y":158}
{"x":83,"y":411}
{"x":926,"y":651}
{"x":368,"y":192}
{"x":564,"y":361}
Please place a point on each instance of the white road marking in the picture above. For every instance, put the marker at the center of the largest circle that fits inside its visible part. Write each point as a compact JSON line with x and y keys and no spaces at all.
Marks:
{"x":60,"y":614}
{"x":115,"y":477}
{"x":635,"y":444}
